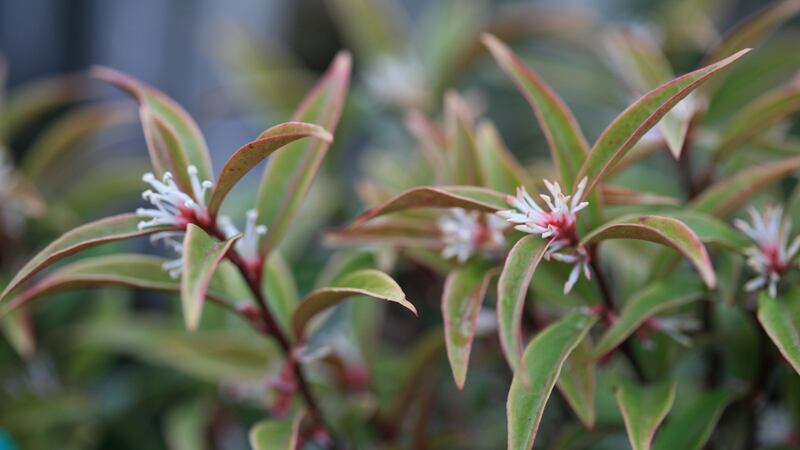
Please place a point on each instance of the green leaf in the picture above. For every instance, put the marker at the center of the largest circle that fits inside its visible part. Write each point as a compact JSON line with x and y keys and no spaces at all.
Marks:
{"x":462,"y":151}
{"x":757,"y":117}
{"x":512,"y":288}
{"x":780,"y":318}
{"x":369,"y":283}
{"x":165,"y":123}
{"x":653,"y":299}
{"x":110,"y":229}
{"x":464,"y":291}
{"x":499,"y":169}
{"x":201,"y":256}
{"x":392,"y":231}
{"x":185,"y":425}
{"x":374,"y":28}
{"x":690,"y":429}
{"x":577,"y":382}
{"x":543,"y":360}
{"x":568,"y":146}
{"x":711,"y":230}
{"x":467,"y":197}
{"x":18,"y":329}
{"x":252,"y":153}
{"x":129,"y":270}
{"x":643,"y":409}
{"x":289,"y":173}
{"x":279,"y":285}
{"x":634,"y":122}
{"x":662,"y":230}
{"x":728,"y":195}
{"x":276,"y":434}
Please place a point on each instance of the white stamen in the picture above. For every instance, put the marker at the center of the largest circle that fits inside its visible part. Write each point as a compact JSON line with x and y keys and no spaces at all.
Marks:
{"x":248,"y":245}
{"x":463,"y":233}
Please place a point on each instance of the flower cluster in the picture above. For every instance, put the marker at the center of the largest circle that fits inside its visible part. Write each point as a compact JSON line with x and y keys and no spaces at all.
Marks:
{"x":557,"y":224}
{"x":463,"y":233}
{"x":771,"y":257}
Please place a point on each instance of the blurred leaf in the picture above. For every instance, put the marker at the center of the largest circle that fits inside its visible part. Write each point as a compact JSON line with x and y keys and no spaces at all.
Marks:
{"x":18,"y":329}
{"x":629,"y":127}
{"x":577,"y":382}
{"x":110,"y":229}
{"x":780,"y":318}
{"x":758,"y":116}
{"x":289,"y":174}
{"x":646,"y":303}
{"x":464,"y":291}
{"x":463,"y":150}
{"x":543,"y":359}
{"x":201,"y":256}
{"x":185,"y":426}
{"x":615,"y":195}
{"x":691,"y":428}
{"x":130,"y":270}
{"x":252,"y":153}
{"x":711,"y":230}
{"x":276,"y":434}
{"x":662,"y":230}
{"x":644,"y":408}
{"x":391,"y":231}
{"x":467,"y":197}
{"x":728,"y":195}
{"x":512,"y":288}
{"x":83,"y":195}
{"x":374,"y":28}
{"x":173,"y":138}
{"x":280,"y":288}
{"x":500,"y":170}
{"x":369,"y":283}
{"x":66,"y":135}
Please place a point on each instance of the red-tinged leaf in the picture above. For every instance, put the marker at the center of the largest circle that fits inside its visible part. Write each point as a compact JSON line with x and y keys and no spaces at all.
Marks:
{"x":634,"y":122}
{"x":276,"y":434}
{"x":643,"y":66}
{"x":643,"y":409}
{"x":712,"y":231}
{"x":728,"y":195}
{"x":462,"y":152}
{"x":369,"y":283}
{"x":467,"y":197}
{"x":568,"y":146}
{"x":512,"y":288}
{"x":289,"y":173}
{"x":616,"y":195}
{"x":690,"y":429}
{"x":110,"y":229}
{"x":577,"y":382}
{"x":499,"y":169}
{"x":464,"y":291}
{"x":399,"y":232}
{"x":431,"y":141}
{"x":544,"y":358}
{"x":256,"y":151}
{"x":201,"y":256}
{"x":662,"y":230}
{"x":164,"y":120}
{"x":757,"y":117}
{"x":780,"y":318}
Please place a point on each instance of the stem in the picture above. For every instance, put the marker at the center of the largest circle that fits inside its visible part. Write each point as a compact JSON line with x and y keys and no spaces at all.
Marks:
{"x":253,"y":279}
{"x":608,"y":302}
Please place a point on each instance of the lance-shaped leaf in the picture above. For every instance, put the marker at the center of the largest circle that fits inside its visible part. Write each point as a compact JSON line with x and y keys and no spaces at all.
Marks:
{"x":280,"y":287}
{"x":467,"y":197}
{"x":368,"y":283}
{"x":289,"y":174}
{"x":389,"y":231}
{"x":276,"y":434}
{"x":711,"y":230}
{"x":615,"y":195}
{"x":201,"y":256}
{"x":691,"y":428}
{"x":568,"y":146}
{"x":512,"y":288}
{"x":374,"y":28}
{"x":662,"y":230}
{"x":129,"y":270}
{"x":462,"y":151}
{"x":464,"y":290}
{"x":110,"y":229}
{"x":165,"y":124}
{"x":643,"y":66}
{"x":728,"y":195}
{"x":544,"y":358}
{"x":499,"y":169}
{"x":18,"y":329}
{"x":252,"y":153}
{"x":643,"y":409}
{"x":757,"y":117}
{"x":577,"y":382}
{"x":780,"y":318}
{"x":634,"y":122}
{"x":646,"y":303}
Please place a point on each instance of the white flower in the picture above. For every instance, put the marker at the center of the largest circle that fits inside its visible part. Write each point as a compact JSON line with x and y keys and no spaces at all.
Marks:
{"x":770,"y":258}
{"x":464,"y":233}
{"x":174,"y":241}
{"x":173,"y":206}
{"x":556,"y":224}
{"x":247,"y":246}
{"x":775,"y":427}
